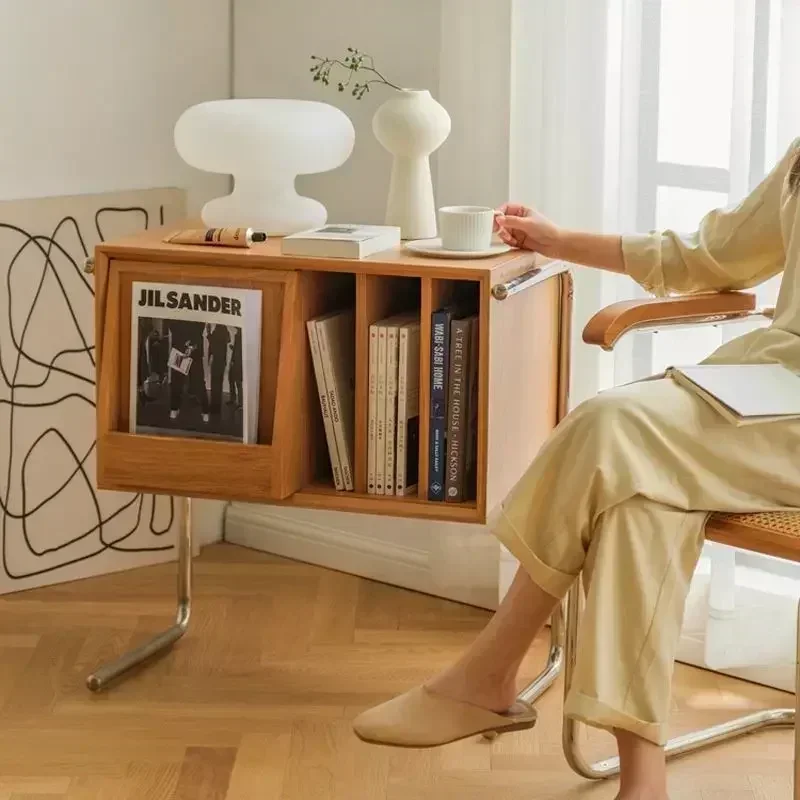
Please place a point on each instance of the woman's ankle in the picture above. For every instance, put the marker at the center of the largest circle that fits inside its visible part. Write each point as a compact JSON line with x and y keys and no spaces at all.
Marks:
{"x":495,"y":693}
{"x":643,"y":768}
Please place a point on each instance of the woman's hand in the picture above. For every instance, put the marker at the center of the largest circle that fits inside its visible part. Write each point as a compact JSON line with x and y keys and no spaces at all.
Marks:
{"x":527,"y":229}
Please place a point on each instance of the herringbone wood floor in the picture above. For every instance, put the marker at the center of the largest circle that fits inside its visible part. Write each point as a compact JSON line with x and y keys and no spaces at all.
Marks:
{"x":255,"y":703}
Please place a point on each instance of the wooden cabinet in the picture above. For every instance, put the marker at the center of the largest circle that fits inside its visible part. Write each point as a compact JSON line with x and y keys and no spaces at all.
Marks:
{"x":524,"y":309}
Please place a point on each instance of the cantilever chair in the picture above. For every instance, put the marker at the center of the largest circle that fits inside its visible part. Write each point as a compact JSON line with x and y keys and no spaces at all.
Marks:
{"x":774,"y":534}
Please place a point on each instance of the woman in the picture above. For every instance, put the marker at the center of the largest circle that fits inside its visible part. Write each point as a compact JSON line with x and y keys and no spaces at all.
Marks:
{"x":621,"y":492}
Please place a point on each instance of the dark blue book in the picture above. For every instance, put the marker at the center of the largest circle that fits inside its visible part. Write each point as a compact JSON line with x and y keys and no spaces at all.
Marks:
{"x":437,"y":445}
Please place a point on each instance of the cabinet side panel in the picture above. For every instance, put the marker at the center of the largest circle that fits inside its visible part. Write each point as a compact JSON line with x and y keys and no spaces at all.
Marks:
{"x":523,"y":383}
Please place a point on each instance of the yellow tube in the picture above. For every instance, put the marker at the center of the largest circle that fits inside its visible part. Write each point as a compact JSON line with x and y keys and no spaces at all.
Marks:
{"x":219,"y":237}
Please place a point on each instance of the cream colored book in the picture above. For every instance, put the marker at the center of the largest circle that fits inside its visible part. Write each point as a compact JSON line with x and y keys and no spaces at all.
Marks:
{"x":372,"y":407}
{"x":745,"y":394}
{"x":322,"y":389}
{"x":380,"y":415}
{"x":407,"y":452}
{"x":336,"y":334}
{"x":390,"y":430}
{"x":394,"y":325}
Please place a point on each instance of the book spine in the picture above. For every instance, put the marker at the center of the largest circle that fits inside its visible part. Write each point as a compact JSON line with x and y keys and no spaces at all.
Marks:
{"x":372,"y":421}
{"x":392,"y":335}
{"x":456,"y":411}
{"x":402,"y":410}
{"x":380,"y":428}
{"x":335,"y":402}
{"x":470,"y":487}
{"x":319,"y":374}
{"x":440,"y":335}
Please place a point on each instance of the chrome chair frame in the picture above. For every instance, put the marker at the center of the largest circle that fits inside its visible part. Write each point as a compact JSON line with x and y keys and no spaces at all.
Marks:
{"x":564,"y":627}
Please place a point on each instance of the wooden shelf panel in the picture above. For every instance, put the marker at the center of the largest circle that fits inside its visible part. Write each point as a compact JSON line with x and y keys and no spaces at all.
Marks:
{"x":326,"y":497}
{"x":186,"y":467}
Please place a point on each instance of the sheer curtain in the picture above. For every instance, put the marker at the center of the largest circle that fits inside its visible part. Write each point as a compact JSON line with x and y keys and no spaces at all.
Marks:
{"x":630,"y":115}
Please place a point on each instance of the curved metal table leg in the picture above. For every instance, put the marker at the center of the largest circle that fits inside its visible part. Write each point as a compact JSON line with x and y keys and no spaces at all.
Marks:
{"x":105,"y":674}
{"x":680,"y":745}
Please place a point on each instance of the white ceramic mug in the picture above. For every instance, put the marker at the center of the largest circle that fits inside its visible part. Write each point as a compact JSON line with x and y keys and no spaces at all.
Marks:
{"x":466,"y":228}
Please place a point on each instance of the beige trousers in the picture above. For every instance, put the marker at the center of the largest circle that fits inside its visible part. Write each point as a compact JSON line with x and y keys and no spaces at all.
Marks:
{"x":621,"y":492}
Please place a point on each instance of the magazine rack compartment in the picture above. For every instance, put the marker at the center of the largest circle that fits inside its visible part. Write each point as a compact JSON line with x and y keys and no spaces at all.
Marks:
{"x":270,"y":468}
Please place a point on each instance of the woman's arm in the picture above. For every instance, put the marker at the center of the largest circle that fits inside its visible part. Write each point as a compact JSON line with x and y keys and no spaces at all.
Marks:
{"x":601,"y":250}
{"x":733,"y":248}
{"x":527,"y":229}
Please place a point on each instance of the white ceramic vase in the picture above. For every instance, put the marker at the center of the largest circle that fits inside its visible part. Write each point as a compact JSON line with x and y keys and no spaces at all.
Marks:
{"x":411,"y":125}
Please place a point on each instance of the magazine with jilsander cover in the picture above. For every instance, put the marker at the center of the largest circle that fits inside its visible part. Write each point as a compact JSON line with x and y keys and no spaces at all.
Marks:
{"x":195,"y":361}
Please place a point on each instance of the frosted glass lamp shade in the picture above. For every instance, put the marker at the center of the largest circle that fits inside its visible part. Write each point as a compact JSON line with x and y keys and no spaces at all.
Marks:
{"x":264,"y":145}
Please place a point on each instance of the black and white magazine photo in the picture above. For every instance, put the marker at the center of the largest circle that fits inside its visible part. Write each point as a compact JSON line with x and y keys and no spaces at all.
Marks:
{"x":195,"y":361}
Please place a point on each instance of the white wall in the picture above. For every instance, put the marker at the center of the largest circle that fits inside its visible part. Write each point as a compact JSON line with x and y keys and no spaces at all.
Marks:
{"x":91,"y":90}
{"x":460,"y":50}
{"x":274,"y":44}
{"x":89,"y":96}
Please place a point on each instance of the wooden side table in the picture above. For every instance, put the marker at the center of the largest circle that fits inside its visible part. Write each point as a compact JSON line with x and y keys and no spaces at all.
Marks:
{"x":524,"y":308}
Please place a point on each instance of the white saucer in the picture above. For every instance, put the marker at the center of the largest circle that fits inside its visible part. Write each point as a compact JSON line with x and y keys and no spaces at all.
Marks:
{"x":433,"y":247}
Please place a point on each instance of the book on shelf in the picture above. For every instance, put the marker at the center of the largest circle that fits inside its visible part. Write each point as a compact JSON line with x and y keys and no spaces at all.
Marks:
{"x":390,"y":429}
{"x":458,"y":408}
{"x":372,"y":409}
{"x":407,"y":450}
{"x":380,"y":413}
{"x":472,"y":412}
{"x":394,"y":327}
{"x":744,"y":394}
{"x":195,"y":361}
{"x":322,"y":391}
{"x":389,"y":362}
{"x":440,"y":357}
{"x":335,"y":334}
{"x":341,"y":241}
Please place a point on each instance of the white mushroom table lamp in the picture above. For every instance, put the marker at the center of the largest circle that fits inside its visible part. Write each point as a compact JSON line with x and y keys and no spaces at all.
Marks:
{"x":264,"y":144}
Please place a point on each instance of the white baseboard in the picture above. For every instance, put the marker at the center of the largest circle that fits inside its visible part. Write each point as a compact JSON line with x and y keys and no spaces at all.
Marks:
{"x":411,"y":554}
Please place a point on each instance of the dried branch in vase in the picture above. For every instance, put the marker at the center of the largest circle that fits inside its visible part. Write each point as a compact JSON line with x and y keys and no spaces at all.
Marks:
{"x":354,"y":64}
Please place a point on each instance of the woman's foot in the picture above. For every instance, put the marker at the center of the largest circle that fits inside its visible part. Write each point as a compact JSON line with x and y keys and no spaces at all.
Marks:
{"x":485,"y":691}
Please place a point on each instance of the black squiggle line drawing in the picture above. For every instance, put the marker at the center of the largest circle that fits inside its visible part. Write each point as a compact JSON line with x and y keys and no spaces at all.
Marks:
{"x":47,"y":246}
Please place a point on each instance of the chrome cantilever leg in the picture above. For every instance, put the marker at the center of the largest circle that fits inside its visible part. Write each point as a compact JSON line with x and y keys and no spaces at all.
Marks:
{"x":678,"y":746}
{"x":107,"y":673}
{"x":555,"y":660}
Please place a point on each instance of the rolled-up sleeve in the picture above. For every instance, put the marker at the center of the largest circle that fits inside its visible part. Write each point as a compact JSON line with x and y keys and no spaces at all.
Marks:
{"x":735,"y":248}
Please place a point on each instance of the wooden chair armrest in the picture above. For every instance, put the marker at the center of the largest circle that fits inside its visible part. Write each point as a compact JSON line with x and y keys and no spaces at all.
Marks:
{"x":611,"y":323}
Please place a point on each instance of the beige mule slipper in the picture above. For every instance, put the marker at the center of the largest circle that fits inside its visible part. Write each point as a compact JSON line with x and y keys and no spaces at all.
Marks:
{"x":420,"y":718}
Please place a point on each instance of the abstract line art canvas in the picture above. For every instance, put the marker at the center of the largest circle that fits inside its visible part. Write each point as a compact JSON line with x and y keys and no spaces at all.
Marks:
{"x":55,"y":525}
